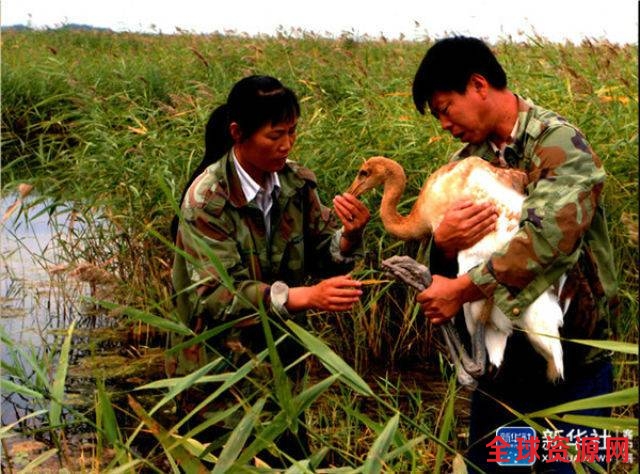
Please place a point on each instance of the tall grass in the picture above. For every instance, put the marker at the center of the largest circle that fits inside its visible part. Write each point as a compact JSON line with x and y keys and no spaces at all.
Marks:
{"x":111,"y":125}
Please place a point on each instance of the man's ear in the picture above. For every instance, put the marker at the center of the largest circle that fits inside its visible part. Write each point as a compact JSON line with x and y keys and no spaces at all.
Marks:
{"x":234,"y":130}
{"x":479,"y":84}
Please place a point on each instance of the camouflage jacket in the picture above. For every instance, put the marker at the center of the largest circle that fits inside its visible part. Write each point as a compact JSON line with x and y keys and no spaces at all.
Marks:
{"x":220,"y":230}
{"x":563,"y":229}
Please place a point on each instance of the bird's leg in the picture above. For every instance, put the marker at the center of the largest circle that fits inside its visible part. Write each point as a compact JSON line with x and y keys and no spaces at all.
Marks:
{"x":464,"y":378}
{"x":478,"y":348}
{"x":418,"y":276}
{"x":478,"y":342}
{"x":474,"y":367}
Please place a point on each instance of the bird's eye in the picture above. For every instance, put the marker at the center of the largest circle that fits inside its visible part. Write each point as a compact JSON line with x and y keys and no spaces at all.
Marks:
{"x":363,"y":173}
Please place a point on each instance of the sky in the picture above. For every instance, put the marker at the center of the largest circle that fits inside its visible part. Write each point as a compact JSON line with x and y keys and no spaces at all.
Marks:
{"x":555,"y":20}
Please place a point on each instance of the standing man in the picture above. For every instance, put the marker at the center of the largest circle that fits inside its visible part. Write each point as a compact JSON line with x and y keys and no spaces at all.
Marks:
{"x":563,"y":231}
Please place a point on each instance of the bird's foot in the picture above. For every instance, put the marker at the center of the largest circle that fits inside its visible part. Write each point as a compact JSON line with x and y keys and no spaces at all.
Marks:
{"x":472,"y":367}
{"x":466,"y":379}
{"x":407,"y":270}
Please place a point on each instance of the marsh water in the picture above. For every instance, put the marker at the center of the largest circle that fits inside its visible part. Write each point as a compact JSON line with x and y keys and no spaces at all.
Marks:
{"x":41,"y":292}
{"x":34,"y":302}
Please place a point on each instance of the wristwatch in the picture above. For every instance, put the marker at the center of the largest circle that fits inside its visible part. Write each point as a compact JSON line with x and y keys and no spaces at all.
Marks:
{"x":279,"y":296}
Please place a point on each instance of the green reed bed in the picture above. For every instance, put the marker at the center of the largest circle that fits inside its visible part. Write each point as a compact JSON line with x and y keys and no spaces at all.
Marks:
{"x":111,"y":125}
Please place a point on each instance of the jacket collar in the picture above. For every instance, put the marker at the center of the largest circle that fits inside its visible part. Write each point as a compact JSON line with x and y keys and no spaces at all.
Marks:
{"x":228,"y":188}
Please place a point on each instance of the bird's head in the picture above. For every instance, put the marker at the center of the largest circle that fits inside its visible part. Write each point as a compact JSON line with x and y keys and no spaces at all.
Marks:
{"x":375,"y":172}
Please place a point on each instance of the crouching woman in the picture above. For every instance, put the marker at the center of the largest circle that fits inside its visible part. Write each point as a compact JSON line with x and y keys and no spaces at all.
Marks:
{"x":250,"y":210}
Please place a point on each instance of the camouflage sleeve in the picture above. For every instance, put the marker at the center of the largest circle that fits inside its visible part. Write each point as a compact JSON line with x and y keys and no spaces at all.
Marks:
{"x":326,"y":232}
{"x":336,"y":254}
{"x":565,"y":182}
{"x":224,"y":287}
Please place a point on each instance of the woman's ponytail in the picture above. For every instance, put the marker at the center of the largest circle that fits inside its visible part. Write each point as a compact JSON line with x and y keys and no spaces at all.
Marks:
{"x":217,"y":143}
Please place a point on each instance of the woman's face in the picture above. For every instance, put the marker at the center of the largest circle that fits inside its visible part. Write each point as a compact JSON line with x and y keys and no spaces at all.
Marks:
{"x":266,"y":150}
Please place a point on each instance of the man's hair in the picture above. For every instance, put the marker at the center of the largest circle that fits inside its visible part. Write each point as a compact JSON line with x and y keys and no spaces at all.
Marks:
{"x":448,"y":65}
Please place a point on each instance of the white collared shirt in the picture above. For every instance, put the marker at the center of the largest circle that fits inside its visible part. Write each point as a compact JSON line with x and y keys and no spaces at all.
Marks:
{"x":263,"y":197}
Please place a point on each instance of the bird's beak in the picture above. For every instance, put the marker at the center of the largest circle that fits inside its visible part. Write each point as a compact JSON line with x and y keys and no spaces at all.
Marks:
{"x":356,"y":188}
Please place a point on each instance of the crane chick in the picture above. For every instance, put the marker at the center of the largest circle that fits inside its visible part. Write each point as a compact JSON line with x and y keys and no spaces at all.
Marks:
{"x":475,"y":179}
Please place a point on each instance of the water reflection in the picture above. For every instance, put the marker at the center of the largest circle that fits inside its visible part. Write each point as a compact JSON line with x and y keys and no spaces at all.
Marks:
{"x":28,"y":250}
{"x":36,"y":299}
{"x":44,"y":285}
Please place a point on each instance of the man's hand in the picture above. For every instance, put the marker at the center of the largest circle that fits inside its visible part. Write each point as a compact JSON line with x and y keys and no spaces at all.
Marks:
{"x":444,"y":298}
{"x":464,"y":225}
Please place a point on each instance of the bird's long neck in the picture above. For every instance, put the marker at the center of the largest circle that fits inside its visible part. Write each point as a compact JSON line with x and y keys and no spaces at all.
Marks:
{"x":403,"y":227}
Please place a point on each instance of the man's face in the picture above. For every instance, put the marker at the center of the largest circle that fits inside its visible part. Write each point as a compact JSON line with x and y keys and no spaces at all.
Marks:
{"x":462,"y":115}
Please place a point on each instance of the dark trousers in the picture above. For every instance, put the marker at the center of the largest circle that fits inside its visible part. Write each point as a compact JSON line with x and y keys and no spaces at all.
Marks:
{"x":521,"y":384}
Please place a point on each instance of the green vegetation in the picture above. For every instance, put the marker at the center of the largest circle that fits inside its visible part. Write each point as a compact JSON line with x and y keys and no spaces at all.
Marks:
{"x":110,"y":126}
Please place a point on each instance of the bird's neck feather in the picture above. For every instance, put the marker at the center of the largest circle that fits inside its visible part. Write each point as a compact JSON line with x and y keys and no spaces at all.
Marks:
{"x":408,"y":227}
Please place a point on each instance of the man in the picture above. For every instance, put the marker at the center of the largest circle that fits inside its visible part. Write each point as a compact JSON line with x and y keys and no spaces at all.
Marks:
{"x":562,"y":231}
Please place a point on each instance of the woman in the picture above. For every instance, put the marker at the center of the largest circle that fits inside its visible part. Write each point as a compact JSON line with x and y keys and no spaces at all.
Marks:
{"x":259,"y":216}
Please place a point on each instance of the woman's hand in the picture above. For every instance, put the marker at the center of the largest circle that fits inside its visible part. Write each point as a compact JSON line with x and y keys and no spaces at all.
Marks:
{"x":352,"y":212}
{"x":464,"y":225}
{"x":338,"y":293}
{"x":354,"y":216}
